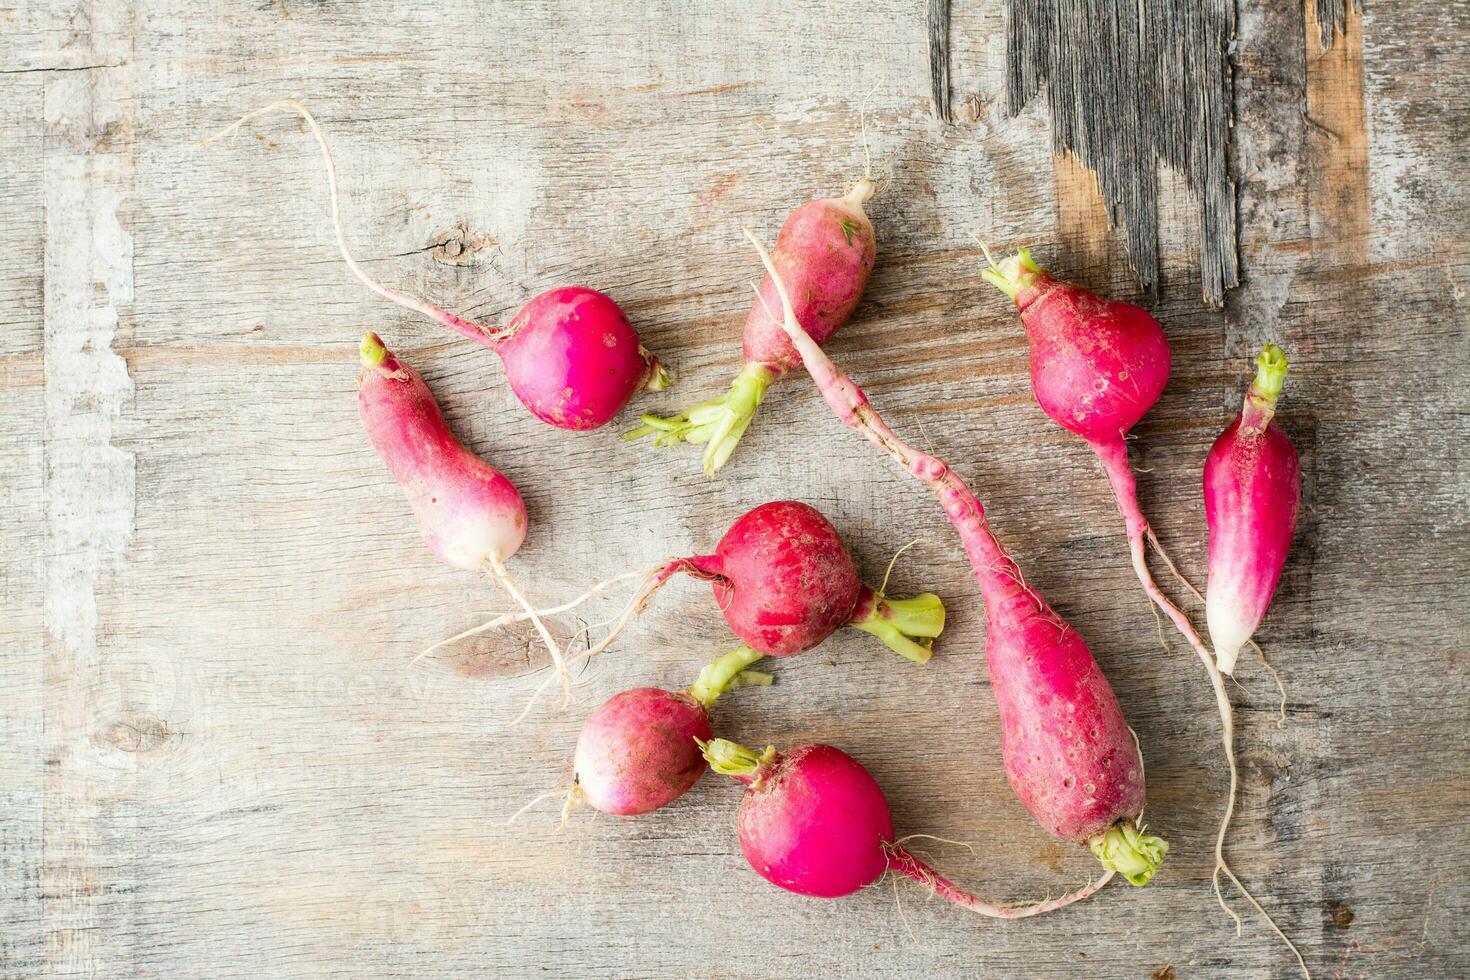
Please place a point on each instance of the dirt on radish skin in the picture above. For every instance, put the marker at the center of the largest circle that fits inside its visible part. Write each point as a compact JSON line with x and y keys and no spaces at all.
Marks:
{"x":826,"y":250}
{"x":814,"y":821}
{"x":1068,"y":753}
{"x":469,"y":514}
{"x":1252,"y":483}
{"x":570,"y":354}
{"x":639,"y":751}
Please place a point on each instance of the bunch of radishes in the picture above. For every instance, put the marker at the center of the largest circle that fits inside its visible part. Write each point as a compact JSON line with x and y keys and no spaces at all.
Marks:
{"x":812,"y":819}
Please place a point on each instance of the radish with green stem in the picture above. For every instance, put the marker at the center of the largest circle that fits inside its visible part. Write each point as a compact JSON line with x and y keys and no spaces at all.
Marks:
{"x":826,"y":250}
{"x":638,"y":752}
{"x":785,"y":582}
{"x":1253,"y":490}
{"x":815,"y":822}
{"x":1069,"y":755}
{"x":1097,"y":366}
{"x":570,"y":355}
{"x":469,"y":514}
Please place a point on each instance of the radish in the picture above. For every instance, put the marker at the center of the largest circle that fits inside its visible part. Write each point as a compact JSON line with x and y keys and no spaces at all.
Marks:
{"x":470,"y":515}
{"x":784,"y":582}
{"x":815,"y":822}
{"x":826,"y":251}
{"x":1069,"y":755}
{"x":1253,"y":488}
{"x":638,"y":751}
{"x":570,"y":354}
{"x":1097,"y":366}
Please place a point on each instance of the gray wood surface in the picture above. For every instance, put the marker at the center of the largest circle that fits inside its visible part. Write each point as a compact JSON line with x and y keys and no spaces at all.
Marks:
{"x":214,"y":759}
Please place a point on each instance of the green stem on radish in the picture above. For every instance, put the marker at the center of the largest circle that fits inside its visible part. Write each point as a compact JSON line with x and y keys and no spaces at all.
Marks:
{"x":1260,"y":400}
{"x":716,"y":424}
{"x":907,"y":626}
{"x":726,"y":673}
{"x":1014,"y":274}
{"x":1127,"y":850}
{"x":733,"y":759}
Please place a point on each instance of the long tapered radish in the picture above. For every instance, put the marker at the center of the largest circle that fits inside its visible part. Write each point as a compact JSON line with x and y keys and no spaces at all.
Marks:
{"x":784,"y":582}
{"x":570,"y":354}
{"x":815,"y":822}
{"x":638,"y":752}
{"x":469,"y":514}
{"x":1097,"y":366}
{"x":1069,"y":755}
{"x":826,"y":251}
{"x":1253,"y":489}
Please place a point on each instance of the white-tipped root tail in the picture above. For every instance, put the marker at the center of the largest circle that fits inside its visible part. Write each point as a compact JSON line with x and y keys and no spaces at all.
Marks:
{"x":558,"y":658}
{"x":466,"y":327}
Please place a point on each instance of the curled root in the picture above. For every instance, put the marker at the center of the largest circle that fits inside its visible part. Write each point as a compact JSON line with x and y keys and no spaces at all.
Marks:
{"x":558,"y":659}
{"x":1280,"y":687}
{"x":904,"y":862}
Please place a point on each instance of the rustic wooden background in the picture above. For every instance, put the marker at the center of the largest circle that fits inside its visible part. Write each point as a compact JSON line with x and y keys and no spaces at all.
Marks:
{"x":214,"y":758}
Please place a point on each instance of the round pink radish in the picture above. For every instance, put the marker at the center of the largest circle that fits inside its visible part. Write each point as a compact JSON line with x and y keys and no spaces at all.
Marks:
{"x":570,"y":355}
{"x":815,"y":822}
{"x":1252,"y":494}
{"x":469,"y":514}
{"x":825,"y":251}
{"x":637,"y":752}
{"x":1068,"y":752}
{"x":640,"y":751}
{"x":784,"y":581}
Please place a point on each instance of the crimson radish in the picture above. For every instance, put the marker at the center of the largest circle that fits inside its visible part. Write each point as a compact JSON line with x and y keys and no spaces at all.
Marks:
{"x":815,"y":822}
{"x":1069,"y":755}
{"x":638,"y":752}
{"x":570,"y":354}
{"x":1097,"y":366}
{"x":1252,"y":492}
{"x":784,"y":582}
{"x":470,"y":515}
{"x":826,"y":251}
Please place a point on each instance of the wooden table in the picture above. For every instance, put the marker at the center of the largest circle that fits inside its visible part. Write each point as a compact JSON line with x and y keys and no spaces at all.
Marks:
{"x":216,"y":759}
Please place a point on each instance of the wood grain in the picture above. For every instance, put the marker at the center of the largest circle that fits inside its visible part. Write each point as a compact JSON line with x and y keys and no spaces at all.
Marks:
{"x":216,"y":759}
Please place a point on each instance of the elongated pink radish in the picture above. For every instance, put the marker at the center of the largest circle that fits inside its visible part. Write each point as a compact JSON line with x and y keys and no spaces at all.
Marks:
{"x":470,"y":515}
{"x":1253,"y":488}
{"x":826,"y":251}
{"x":815,"y":822}
{"x":1097,"y":366}
{"x":1069,"y":755}
{"x":638,"y":752}
{"x":784,"y":582}
{"x":570,"y":354}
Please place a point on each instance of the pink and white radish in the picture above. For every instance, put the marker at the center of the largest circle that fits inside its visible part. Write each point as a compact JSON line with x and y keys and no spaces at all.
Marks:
{"x":1069,"y":755}
{"x":470,"y":515}
{"x":638,"y":751}
{"x":570,"y":354}
{"x":826,"y":251}
{"x":815,"y":822}
{"x":1097,"y":366}
{"x":785,"y":582}
{"x":1253,"y":488}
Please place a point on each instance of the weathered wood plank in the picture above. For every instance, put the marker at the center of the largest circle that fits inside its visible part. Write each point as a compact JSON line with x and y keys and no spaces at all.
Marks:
{"x":232,"y":771}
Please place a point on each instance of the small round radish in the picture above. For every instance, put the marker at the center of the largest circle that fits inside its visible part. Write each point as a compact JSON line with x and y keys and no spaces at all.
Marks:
{"x":784,"y":582}
{"x":639,"y":751}
{"x":570,"y":354}
{"x":815,"y":822}
{"x":1253,"y":489}
{"x":470,"y":515}
{"x":826,"y":251}
{"x":1068,"y":753}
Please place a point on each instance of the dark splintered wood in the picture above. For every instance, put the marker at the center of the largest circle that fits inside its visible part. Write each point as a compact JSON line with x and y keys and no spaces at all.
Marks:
{"x":939,"y":58}
{"x":1332,"y":18}
{"x":1131,"y":85}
